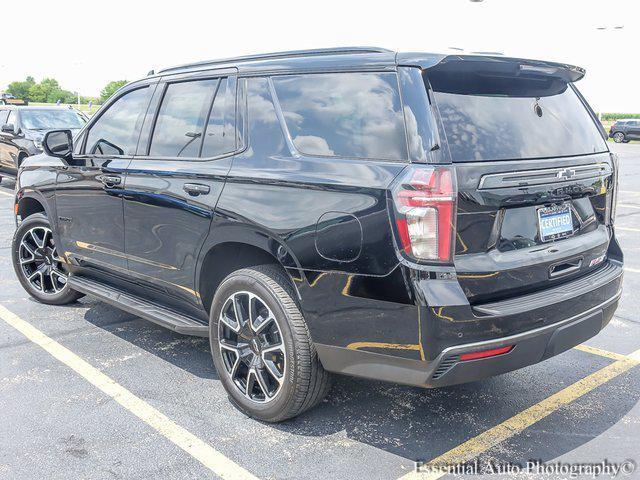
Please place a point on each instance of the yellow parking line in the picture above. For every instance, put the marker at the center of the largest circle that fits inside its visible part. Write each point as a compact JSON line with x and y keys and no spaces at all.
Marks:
{"x":490,"y":438}
{"x":198,"y":449}
{"x":632,"y":270}
{"x":602,"y":353}
{"x":2,"y":192}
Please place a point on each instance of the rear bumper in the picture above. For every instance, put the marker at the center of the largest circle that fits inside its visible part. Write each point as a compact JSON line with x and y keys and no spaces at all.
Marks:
{"x":530,"y":347}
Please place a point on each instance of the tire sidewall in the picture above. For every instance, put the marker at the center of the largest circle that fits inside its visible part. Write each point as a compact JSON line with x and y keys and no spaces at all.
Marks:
{"x":66,"y":295}
{"x":242,"y":281}
{"x":618,"y":137}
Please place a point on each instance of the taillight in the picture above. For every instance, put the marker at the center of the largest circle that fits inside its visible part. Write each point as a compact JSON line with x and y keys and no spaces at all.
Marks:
{"x":425,"y":209}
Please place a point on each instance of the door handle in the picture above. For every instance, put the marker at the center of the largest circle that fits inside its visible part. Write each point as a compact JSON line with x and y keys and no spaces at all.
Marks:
{"x":110,"y":181}
{"x":195,"y":189}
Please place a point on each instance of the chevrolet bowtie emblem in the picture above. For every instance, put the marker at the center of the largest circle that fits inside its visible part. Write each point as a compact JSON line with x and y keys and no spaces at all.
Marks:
{"x":566,"y":173}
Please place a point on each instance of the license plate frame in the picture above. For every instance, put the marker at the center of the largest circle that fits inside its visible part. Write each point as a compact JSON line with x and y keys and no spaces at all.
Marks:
{"x":555,"y":222}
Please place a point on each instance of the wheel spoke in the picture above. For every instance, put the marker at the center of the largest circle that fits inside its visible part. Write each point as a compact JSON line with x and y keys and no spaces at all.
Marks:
{"x":35,"y":239}
{"x":236,"y":360}
{"x":229,"y":323}
{"x":263,"y":323}
{"x":53,"y":282}
{"x":29,"y":251}
{"x":251,"y":379}
{"x":237,"y":309}
{"x":270,"y":364}
{"x":262,"y":382}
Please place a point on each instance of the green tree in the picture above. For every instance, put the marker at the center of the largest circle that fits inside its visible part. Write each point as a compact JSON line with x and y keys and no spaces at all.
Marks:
{"x":110,"y":89}
{"x":47,"y":91}
{"x":21,"y":89}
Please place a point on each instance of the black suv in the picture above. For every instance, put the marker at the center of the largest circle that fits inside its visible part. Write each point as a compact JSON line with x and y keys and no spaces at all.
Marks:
{"x":625,"y":130}
{"x":22,"y":130}
{"x":415,"y":218}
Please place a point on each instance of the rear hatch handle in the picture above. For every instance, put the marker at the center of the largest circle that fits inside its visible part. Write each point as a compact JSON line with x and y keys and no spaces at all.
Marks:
{"x":565,"y":267}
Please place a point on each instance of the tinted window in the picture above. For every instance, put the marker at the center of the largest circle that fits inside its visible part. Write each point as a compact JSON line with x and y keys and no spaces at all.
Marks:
{"x":344,"y":114}
{"x":117,"y":130}
{"x":219,"y":135}
{"x":181,"y":119}
{"x":265,"y":134}
{"x":51,"y":119}
{"x":498,"y":118}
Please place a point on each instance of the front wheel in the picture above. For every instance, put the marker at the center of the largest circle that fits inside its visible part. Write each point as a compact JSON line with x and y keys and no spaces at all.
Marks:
{"x":618,"y":137}
{"x":261,"y":346}
{"x":37,"y":264}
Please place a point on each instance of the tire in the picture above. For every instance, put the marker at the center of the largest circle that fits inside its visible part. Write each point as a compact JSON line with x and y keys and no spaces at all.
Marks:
{"x":302,"y":383}
{"x":618,"y":137}
{"x":33,"y":252}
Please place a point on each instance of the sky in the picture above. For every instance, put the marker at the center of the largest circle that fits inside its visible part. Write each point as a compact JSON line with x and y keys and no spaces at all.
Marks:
{"x":86,"y":44}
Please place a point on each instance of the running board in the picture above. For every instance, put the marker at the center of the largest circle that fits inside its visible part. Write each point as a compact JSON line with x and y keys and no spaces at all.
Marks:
{"x":149,"y":311}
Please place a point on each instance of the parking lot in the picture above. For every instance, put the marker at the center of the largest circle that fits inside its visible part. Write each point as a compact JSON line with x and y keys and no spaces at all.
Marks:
{"x":89,"y":391}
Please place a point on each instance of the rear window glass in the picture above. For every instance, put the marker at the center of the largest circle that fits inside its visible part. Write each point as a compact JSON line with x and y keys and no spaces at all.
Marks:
{"x":181,"y":119}
{"x":501,"y":118}
{"x":344,"y":114}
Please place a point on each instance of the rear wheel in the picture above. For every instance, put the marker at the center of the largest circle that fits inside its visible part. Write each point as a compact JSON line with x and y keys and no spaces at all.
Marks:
{"x":618,"y":137}
{"x":37,"y":263}
{"x":261,"y":346}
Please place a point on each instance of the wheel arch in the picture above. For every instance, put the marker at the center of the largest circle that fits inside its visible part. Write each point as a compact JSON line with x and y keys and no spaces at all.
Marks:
{"x":29,"y":204}
{"x":218,"y":259}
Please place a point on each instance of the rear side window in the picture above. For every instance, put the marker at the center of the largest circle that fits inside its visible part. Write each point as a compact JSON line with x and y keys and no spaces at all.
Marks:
{"x":344,"y":114}
{"x":219,"y":135}
{"x":182,"y":117}
{"x":502,"y":118}
{"x":117,"y":130}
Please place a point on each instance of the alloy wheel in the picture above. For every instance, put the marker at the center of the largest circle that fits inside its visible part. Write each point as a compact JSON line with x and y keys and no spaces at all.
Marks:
{"x":252,"y":347}
{"x":39,"y":261}
{"x":618,"y":137}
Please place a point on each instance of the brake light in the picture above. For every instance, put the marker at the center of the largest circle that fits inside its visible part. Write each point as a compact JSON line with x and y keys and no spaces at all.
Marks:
{"x":425,"y":207}
{"x":485,"y":353}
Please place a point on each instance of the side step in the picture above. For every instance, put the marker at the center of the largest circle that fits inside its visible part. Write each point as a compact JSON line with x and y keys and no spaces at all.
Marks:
{"x":150,"y":311}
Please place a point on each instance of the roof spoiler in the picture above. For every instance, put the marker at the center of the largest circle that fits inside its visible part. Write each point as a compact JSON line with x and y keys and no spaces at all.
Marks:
{"x":491,"y":65}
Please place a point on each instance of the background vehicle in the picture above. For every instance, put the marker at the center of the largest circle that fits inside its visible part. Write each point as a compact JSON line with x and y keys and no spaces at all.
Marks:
{"x":8,"y":99}
{"x":625,"y":130}
{"x":22,"y":130}
{"x":418,"y":218}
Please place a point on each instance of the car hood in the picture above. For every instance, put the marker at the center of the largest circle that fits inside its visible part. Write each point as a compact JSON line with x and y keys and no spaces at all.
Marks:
{"x":38,"y":135}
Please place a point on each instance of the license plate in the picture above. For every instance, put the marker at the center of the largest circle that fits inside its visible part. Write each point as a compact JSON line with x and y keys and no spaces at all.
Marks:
{"x":555,"y":222}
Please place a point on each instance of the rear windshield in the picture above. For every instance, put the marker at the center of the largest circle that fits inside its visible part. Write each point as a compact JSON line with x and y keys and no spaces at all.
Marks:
{"x":502,"y":118}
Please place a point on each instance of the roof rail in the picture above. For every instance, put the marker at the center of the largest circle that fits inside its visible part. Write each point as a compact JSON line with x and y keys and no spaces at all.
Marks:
{"x":292,"y":53}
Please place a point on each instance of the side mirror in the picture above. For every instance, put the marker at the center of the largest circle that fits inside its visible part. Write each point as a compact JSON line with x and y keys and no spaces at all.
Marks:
{"x":8,"y":128}
{"x":58,"y":143}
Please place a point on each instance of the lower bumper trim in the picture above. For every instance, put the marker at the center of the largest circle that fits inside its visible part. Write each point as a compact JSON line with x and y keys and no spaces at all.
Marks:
{"x":529,"y":347}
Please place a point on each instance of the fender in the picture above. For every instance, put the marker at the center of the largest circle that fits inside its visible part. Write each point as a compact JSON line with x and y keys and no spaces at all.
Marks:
{"x":228,"y":231}
{"x":37,"y":180}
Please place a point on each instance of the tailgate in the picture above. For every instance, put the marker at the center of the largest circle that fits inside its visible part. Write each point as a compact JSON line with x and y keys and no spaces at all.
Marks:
{"x":501,"y":249}
{"x":535,"y":176}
